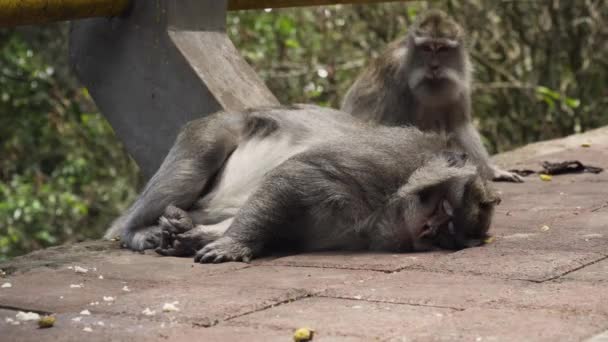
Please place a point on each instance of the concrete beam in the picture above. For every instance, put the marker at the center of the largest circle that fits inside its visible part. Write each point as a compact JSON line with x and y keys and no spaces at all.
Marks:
{"x":164,"y":63}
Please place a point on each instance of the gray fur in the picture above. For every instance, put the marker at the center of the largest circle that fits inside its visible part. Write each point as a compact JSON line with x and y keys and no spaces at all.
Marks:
{"x":429,"y":89}
{"x":239,"y":184}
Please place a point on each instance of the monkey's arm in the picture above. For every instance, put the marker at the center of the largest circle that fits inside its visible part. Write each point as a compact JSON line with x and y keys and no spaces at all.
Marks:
{"x":469,"y":139}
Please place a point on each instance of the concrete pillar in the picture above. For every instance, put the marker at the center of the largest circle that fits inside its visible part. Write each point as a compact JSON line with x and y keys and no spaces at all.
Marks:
{"x":160,"y":65}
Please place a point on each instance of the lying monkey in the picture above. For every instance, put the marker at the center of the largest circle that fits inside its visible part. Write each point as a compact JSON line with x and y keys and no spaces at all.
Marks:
{"x":238,"y":184}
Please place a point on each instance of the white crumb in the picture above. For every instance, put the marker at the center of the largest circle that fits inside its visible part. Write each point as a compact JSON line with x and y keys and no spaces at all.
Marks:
{"x":70,"y":267}
{"x":76,"y":286}
{"x":101,"y":324}
{"x":94,"y":303}
{"x":11,"y":321}
{"x":60,"y":297}
{"x":87,"y":329}
{"x":77,"y":319}
{"x":100,"y":276}
{"x":7,"y":285}
{"x":108,"y":299}
{"x":168,"y":307}
{"x":85,"y":312}
{"x":357,"y":297}
{"x":79,"y":269}
{"x":27,"y":316}
{"x":149,"y":312}
{"x":126,"y":288}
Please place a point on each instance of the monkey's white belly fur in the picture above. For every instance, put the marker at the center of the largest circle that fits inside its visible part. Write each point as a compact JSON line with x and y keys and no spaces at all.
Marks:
{"x":243,"y":172}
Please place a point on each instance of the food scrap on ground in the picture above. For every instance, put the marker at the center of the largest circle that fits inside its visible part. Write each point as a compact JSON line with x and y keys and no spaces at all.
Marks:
{"x":27,"y":316}
{"x":76,"y":286}
{"x":303,"y":334}
{"x":546,"y":178}
{"x":169,"y":307}
{"x":79,"y":269}
{"x":544,"y":228}
{"x":85,"y":312}
{"x":148,"y":312}
{"x":46,"y":321}
{"x":7,"y":285}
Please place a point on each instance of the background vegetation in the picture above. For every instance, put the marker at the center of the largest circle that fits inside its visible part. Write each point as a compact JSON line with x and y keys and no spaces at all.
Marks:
{"x":541,"y":72}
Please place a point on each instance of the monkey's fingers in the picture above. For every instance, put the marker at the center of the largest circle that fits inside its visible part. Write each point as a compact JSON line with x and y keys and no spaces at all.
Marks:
{"x":506,"y":176}
{"x":166,"y":251}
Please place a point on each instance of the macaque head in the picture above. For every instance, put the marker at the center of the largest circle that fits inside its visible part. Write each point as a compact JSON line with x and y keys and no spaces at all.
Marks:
{"x":438,"y":61}
{"x":456,"y":204}
{"x":470,"y":217}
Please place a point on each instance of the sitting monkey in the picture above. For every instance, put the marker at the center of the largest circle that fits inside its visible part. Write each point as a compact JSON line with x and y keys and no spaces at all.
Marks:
{"x":424,"y":79}
{"x":238,"y":184}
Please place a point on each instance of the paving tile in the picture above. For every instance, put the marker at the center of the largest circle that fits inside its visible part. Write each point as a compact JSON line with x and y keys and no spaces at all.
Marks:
{"x":466,"y":291}
{"x":356,"y":260}
{"x":336,"y":317}
{"x":512,"y":263}
{"x":506,"y":325}
{"x":50,"y":290}
{"x":597,"y":272}
{"x":586,"y":232}
{"x":221,"y":296}
{"x":127,"y":328}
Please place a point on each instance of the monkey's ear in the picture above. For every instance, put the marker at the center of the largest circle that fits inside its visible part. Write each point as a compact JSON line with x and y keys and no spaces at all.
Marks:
{"x":440,"y":172}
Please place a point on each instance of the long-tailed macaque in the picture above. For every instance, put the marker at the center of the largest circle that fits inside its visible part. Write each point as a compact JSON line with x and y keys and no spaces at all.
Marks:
{"x":424,"y":79}
{"x":237,"y":184}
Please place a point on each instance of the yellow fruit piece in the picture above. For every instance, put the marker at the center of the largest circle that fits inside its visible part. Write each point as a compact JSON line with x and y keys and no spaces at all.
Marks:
{"x":546,"y":178}
{"x":489,"y":240}
{"x":46,"y":321}
{"x":585,"y":145}
{"x":303,"y":334}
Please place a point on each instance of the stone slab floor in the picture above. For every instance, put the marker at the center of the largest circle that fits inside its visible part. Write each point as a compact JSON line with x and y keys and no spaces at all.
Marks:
{"x":543,"y":278}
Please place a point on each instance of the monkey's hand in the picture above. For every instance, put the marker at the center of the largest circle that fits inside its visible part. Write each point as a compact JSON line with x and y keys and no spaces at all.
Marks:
{"x":224,"y":249}
{"x":499,"y":175}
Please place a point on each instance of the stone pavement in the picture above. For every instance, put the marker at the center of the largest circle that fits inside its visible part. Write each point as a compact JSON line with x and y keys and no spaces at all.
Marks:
{"x":544,"y":278}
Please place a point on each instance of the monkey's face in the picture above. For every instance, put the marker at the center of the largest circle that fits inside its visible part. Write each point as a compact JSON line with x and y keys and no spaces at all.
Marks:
{"x":439,"y":71}
{"x":471,"y":219}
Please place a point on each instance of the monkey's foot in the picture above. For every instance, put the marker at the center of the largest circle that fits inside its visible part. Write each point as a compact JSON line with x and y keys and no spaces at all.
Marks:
{"x":505,"y":176}
{"x":187,"y":243}
{"x":175,"y":220}
{"x":222,"y":250}
{"x":142,"y":239}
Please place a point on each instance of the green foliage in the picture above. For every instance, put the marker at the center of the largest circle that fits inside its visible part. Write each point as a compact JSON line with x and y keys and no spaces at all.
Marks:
{"x":540,"y":66}
{"x":63,"y":175}
{"x":540,"y":72}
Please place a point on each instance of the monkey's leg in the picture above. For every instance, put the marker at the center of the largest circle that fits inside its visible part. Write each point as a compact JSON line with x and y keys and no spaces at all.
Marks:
{"x":198,"y":154}
{"x":468,"y":138}
{"x":262,"y":218}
